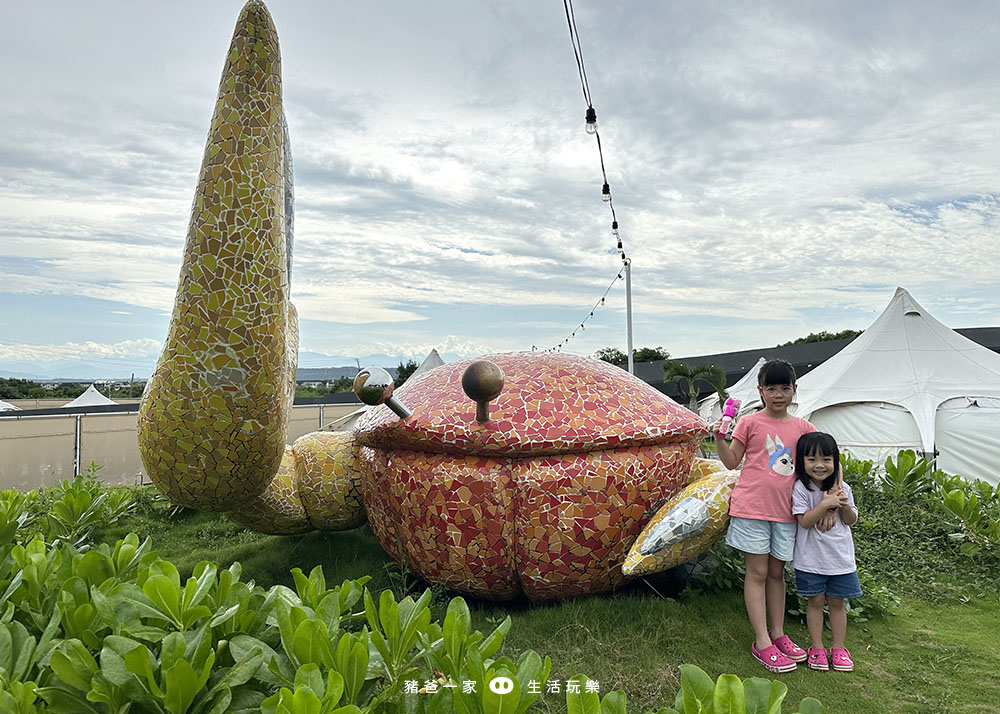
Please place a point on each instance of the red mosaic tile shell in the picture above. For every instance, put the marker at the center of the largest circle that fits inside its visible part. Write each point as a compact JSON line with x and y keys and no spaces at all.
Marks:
{"x":551,"y":403}
{"x":549,"y":516}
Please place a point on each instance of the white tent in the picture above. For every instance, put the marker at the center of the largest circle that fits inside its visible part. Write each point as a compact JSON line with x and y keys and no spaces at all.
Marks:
{"x":8,"y":407}
{"x":90,"y":398}
{"x":745,"y":389}
{"x":347,"y":422}
{"x":910,"y":382}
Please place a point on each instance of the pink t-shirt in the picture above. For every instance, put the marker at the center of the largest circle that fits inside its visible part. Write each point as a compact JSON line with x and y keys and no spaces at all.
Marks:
{"x":764,"y":488}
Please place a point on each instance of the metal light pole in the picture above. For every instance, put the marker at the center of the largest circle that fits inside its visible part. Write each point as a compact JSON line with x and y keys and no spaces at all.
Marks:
{"x":628,"y":313}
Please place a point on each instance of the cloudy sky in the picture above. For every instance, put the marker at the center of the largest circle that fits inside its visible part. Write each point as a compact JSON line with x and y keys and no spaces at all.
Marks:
{"x":777,"y":169}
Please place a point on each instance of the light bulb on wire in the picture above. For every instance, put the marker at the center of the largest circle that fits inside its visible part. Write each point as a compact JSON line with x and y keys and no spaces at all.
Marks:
{"x":605,"y":192}
{"x":591,"y":120}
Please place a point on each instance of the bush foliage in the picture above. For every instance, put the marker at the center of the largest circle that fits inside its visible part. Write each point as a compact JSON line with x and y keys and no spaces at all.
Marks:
{"x":98,"y":628}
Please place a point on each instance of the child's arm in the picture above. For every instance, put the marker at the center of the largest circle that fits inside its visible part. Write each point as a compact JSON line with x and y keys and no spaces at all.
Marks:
{"x":847,"y":513}
{"x":813,"y":515}
{"x":730,"y":454}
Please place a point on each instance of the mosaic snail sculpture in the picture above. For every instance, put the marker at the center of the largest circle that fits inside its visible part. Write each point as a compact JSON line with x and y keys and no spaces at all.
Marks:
{"x":540,"y":490}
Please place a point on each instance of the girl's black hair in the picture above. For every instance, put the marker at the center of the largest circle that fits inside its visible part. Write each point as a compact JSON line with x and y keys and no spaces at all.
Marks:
{"x":776,"y":372}
{"x":812,"y":443}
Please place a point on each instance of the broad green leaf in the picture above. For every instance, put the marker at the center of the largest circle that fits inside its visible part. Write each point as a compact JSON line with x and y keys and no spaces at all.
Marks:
{"x":6,"y":649}
{"x":495,"y":639}
{"x":181,"y":684}
{"x":304,"y":702}
{"x":112,"y":659}
{"x":810,"y":706}
{"x":351,"y":660}
{"x":311,"y":643}
{"x":165,"y":595}
{"x":697,"y":689}
{"x":334,"y":689}
{"x":613,"y":703}
{"x":502,"y":703}
{"x":23,"y":647}
{"x":62,"y":701}
{"x":581,"y":701}
{"x":74,"y":664}
{"x":172,"y":650}
{"x":309,"y":677}
{"x":198,"y":587}
{"x":764,"y":696}
{"x":328,"y":611}
{"x":389,"y":617}
{"x":223,"y":616}
{"x":728,"y":697}
{"x":531,"y":668}
{"x":457,"y":623}
{"x":140,"y":662}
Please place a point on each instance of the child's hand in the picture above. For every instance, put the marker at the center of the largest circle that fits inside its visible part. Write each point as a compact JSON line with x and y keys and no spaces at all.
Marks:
{"x":827,"y":521}
{"x":716,"y":426}
{"x":842,"y":498}
{"x":831,"y":500}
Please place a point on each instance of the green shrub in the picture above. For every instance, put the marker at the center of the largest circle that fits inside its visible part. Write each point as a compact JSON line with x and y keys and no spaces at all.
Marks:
{"x":100,"y":628}
{"x":699,"y":695}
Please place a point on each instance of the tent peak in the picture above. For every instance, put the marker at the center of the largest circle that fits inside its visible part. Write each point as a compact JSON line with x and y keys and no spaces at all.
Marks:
{"x":907,"y":303}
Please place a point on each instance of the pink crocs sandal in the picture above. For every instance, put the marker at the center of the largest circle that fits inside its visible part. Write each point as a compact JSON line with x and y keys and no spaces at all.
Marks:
{"x":788,"y":648}
{"x":842,"y":660}
{"x":818,"y":660}
{"x":772,"y":659}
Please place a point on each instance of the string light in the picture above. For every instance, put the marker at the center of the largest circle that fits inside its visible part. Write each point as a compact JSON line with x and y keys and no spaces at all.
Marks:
{"x":590,"y":315}
{"x":591,"y":127}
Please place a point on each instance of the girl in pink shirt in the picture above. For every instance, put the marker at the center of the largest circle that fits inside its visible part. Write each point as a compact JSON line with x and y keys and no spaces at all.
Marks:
{"x":761,"y":521}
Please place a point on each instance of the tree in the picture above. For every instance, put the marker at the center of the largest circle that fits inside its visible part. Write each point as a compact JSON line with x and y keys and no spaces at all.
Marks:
{"x":341,"y":384}
{"x":612,"y":355}
{"x":686,"y":378}
{"x":823,"y":336}
{"x":129,"y":391}
{"x":650,"y":354}
{"x":405,"y":370}
{"x":643,"y":354}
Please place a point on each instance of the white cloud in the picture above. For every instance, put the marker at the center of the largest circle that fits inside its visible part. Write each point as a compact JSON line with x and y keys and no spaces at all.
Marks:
{"x":87,"y":350}
{"x":775,"y":170}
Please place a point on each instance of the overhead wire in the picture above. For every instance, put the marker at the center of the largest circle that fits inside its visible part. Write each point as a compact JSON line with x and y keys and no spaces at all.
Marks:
{"x":606,"y":195}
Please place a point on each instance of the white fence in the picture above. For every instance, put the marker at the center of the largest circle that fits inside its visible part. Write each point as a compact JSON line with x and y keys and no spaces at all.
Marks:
{"x":38,"y":451}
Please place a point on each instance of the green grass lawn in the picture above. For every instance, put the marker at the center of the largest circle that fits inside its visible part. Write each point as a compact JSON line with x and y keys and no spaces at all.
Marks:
{"x":936,"y":655}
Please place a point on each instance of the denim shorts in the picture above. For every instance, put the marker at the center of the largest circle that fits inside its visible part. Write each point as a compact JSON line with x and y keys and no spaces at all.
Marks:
{"x":841,"y":587}
{"x":752,"y":535}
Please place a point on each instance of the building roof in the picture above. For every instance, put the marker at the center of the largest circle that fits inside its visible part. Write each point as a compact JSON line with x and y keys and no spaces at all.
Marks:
{"x":803,"y":357}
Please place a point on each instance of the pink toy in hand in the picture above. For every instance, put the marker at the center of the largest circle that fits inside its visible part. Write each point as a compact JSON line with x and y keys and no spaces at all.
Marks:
{"x":728,"y":414}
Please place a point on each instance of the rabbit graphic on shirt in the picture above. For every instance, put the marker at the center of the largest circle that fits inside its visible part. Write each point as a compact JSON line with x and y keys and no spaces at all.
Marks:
{"x":780,"y":456}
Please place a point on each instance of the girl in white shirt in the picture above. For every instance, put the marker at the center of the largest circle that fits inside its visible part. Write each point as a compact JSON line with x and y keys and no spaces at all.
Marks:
{"x":825,"y":569}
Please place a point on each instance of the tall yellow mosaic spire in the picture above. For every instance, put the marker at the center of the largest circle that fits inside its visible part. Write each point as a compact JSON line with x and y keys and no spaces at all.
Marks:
{"x":213,"y":420}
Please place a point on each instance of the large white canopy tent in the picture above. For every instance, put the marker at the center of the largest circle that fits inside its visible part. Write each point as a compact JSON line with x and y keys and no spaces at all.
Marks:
{"x":910,"y":382}
{"x":90,"y":398}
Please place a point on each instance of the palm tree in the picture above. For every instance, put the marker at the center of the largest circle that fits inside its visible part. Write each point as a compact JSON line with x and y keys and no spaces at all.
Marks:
{"x":686,"y":377}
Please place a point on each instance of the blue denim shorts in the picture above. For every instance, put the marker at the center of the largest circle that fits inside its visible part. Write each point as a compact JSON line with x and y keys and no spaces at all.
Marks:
{"x":752,"y":535}
{"x":841,"y":587}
